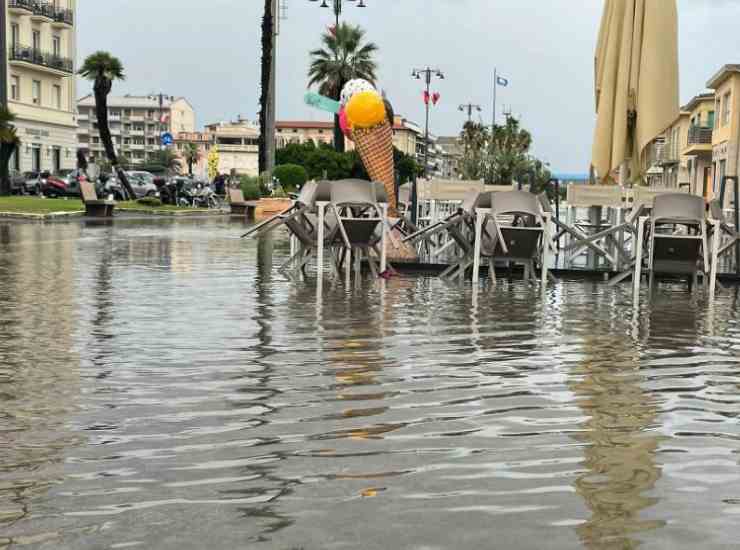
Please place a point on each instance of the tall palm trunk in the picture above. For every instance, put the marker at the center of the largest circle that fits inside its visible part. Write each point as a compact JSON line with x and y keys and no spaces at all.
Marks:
{"x":6,"y":151}
{"x":339,"y":144}
{"x":268,"y":29}
{"x":102,"y":88}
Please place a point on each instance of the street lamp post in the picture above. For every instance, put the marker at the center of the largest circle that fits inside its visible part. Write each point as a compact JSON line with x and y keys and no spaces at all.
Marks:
{"x":470,"y":107}
{"x":337,"y":6}
{"x":428,"y":73}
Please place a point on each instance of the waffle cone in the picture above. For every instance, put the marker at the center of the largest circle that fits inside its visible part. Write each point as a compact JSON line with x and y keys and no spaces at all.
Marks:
{"x":375,"y":147}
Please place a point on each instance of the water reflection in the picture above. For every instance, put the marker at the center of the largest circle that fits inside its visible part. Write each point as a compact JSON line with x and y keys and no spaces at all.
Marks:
{"x":161,"y":382}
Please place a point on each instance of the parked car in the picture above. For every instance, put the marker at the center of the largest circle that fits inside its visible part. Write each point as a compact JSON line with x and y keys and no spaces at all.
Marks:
{"x":71,"y":178}
{"x":17,"y":183}
{"x":32,"y":182}
{"x":142,"y":183}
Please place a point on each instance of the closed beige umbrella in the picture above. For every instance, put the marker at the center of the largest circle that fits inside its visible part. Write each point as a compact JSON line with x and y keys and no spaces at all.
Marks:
{"x":636,"y":79}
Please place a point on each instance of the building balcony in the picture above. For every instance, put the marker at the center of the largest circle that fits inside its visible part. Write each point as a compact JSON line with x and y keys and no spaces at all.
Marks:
{"x":20,"y":6}
{"x":63,"y":18}
{"x":699,"y":141}
{"x":39,"y":58}
{"x":667,"y":154}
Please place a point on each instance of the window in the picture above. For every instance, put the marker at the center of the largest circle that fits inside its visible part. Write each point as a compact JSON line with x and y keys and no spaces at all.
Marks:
{"x":15,"y":88}
{"x":96,"y":139}
{"x":36,"y":92}
{"x":710,"y":119}
{"x":717,"y":109}
{"x":36,"y":40}
{"x":56,"y":46}
{"x":726,"y":108}
{"x":15,"y":35}
{"x":57,"y":96}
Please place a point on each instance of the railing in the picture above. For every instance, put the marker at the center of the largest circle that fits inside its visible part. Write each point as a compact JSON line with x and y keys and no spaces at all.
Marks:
{"x":44,"y":9}
{"x":667,"y":154}
{"x":39,"y":57}
{"x":699,"y":135}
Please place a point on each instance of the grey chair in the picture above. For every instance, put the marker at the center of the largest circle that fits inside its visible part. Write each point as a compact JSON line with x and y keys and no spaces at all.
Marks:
{"x":513,"y":233}
{"x":358,"y":222}
{"x":677,"y":238}
{"x":304,"y":203}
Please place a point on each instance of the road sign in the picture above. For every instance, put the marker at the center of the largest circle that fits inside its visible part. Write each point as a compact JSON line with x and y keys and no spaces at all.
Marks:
{"x":167,"y":139}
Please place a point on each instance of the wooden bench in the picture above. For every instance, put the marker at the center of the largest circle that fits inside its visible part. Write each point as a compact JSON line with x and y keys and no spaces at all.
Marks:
{"x":95,"y":207}
{"x":240,"y":207}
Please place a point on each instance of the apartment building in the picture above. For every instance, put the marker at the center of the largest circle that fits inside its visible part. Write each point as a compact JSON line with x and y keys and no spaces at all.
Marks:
{"x":725,"y":150}
{"x":406,"y":134}
{"x":41,"y":46}
{"x":136,"y":124}
{"x":238,"y":146}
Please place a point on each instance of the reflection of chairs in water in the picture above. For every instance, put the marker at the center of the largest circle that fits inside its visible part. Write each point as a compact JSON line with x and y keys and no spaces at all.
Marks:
{"x":512,"y":233}
{"x":359,"y":222}
{"x":677,"y":239}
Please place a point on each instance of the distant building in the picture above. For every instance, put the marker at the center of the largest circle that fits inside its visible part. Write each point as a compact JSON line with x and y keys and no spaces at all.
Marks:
{"x":453,"y":152}
{"x":136,"y":124}
{"x":238,"y":146}
{"x":202,"y":141}
{"x":41,"y":81}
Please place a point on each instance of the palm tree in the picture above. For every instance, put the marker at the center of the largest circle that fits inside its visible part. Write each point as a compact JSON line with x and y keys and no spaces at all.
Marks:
{"x":475,"y":138}
{"x":509,"y":152}
{"x":191,"y":155}
{"x":9,"y":143}
{"x":343,"y":57}
{"x":268,"y":31}
{"x":102,"y":68}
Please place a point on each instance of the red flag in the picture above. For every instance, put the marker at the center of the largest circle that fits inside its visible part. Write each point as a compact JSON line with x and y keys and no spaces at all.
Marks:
{"x":435,"y":97}
{"x":426,"y":98}
{"x":333,"y":30}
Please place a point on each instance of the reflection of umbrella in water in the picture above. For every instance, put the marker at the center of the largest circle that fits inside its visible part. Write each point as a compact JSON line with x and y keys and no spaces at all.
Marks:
{"x":620,"y":456}
{"x":636,"y":79}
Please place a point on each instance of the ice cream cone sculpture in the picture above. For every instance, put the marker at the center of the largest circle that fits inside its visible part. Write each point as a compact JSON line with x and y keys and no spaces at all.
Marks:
{"x":365,"y":119}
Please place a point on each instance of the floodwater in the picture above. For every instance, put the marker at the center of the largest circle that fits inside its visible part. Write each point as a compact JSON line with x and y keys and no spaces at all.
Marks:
{"x":162,"y":387}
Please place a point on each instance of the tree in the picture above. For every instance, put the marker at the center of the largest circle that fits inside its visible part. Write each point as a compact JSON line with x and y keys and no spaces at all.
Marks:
{"x":214,"y":159}
{"x":167,"y":158}
{"x":191,"y":154}
{"x":102,"y":68}
{"x":9,"y":143}
{"x":509,"y":158}
{"x":290,"y":176}
{"x":268,"y":43}
{"x":343,"y":57}
{"x":476,"y":139}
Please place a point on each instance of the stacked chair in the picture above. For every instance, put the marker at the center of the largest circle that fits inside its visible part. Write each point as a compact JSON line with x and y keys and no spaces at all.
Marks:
{"x":357,"y":207}
{"x":674,"y":241}
{"x":456,"y":230}
{"x":514,"y":231}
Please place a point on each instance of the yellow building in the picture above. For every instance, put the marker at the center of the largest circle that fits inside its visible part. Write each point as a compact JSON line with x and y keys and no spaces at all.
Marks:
{"x":726,"y":136}
{"x":698,"y":145}
{"x":41,"y":44}
{"x":671,"y":158}
{"x":238,"y":146}
{"x":136,"y":123}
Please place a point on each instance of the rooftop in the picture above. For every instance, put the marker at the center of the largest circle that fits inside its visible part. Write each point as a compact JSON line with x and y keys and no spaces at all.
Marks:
{"x":140,"y":101}
{"x":720,"y":76}
{"x":696,"y":100}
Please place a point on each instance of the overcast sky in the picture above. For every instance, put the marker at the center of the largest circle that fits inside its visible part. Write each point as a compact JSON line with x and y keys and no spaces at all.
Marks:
{"x":209,"y":52}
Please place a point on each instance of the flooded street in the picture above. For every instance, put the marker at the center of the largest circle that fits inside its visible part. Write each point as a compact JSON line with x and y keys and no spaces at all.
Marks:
{"x":162,"y":386}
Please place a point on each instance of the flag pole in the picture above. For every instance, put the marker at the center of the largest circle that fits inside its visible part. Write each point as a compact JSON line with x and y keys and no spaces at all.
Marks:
{"x":495,"y":85}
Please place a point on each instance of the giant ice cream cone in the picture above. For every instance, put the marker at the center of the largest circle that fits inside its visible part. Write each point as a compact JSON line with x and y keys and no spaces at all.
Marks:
{"x":375,"y":146}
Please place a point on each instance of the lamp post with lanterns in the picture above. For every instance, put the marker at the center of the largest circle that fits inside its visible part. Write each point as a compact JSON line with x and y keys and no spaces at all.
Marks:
{"x":338,"y":4}
{"x":427,"y":73}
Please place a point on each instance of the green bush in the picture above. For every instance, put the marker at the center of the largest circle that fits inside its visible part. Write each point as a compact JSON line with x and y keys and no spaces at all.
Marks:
{"x":250,"y":188}
{"x":149,"y":201}
{"x":291,"y":176}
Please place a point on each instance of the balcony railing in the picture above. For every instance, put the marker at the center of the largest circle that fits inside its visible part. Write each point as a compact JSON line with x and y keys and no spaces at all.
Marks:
{"x":44,"y":9}
{"x":42,"y":58}
{"x":666,"y":153}
{"x":699,"y":135}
